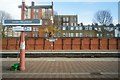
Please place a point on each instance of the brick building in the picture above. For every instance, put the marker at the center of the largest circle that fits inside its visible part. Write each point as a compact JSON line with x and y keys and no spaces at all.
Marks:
{"x":87,"y":31}
{"x":66,"y":20}
{"x":39,"y":12}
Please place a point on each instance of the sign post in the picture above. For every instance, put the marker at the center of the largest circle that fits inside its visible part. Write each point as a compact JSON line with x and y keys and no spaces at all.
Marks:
{"x":22,"y":23}
{"x":22,"y":40}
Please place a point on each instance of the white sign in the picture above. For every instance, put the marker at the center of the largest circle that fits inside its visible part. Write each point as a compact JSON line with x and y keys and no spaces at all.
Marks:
{"x":27,"y":28}
{"x":18,"y":28}
{"x":22,"y":22}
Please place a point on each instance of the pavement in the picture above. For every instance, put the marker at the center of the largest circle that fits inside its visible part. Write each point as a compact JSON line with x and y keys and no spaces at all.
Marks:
{"x":71,"y":68}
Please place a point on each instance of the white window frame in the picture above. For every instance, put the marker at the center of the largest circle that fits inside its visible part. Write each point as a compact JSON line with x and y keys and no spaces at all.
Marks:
{"x":77,"y":34}
{"x":72,"y":34}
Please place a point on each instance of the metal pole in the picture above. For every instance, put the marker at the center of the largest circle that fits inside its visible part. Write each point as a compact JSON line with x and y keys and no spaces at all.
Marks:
{"x":22,"y":41}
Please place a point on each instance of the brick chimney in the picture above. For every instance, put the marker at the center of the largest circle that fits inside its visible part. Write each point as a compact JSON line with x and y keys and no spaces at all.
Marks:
{"x":32,"y":4}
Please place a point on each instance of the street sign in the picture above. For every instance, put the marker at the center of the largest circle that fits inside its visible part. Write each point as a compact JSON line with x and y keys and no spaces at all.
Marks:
{"x":19,"y":28}
{"x":22,"y":22}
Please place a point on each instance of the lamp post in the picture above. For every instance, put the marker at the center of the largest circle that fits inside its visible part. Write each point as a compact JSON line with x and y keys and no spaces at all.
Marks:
{"x":22,"y":40}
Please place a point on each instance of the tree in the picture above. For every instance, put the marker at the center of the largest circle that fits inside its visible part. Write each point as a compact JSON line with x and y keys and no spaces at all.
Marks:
{"x":103,"y":17}
{"x":3,"y":16}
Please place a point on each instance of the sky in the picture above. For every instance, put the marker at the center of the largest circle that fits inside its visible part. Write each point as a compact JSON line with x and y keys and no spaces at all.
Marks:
{"x":85,"y":9}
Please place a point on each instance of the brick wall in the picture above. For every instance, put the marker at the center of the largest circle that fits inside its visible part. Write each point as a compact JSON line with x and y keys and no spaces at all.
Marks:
{"x":63,"y":44}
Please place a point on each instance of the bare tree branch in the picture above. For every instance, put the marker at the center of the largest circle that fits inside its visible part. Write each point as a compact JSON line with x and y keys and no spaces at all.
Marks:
{"x":3,"y":16}
{"x":103,"y":17}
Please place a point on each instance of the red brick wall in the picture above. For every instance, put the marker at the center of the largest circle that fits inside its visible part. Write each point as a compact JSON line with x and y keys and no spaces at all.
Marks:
{"x":30,"y":43}
{"x":103,"y":44}
{"x":85,"y":43}
{"x":11,"y":44}
{"x":39,"y":44}
{"x":118,"y":42}
{"x":94,"y":44}
{"x":63,"y":44}
{"x":4,"y":44}
{"x":112,"y":44}
{"x":76,"y":44}
{"x":67,"y":44}
{"x":58,"y":44}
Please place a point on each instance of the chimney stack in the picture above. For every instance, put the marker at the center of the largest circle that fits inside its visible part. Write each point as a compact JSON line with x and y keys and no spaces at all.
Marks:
{"x":32,"y":3}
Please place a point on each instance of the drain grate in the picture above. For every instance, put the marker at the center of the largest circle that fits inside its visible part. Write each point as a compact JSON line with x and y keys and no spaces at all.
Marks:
{"x":95,"y":73}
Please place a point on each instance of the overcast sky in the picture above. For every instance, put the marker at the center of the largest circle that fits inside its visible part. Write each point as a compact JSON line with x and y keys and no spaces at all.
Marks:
{"x":85,"y":11}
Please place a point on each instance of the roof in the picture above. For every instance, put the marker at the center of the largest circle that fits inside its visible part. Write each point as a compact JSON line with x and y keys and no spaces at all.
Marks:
{"x":41,"y":6}
{"x":66,"y":15}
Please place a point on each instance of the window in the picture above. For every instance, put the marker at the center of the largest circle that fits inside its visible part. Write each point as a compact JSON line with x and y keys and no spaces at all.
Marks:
{"x":86,"y":28}
{"x":90,"y":35}
{"x":28,"y":13}
{"x":36,"y":10}
{"x":35,"y":35}
{"x":59,"y":19}
{"x":75,"y":19}
{"x":63,"y":34}
{"x":77,"y":28}
{"x":77,"y":35}
{"x":90,"y":28}
{"x":80,"y":28}
{"x":72,"y":24}
{"x":87,"y":35}
{"x":35,"y":29}
{"x":75,"y":24}
{"x":71,"y":19}
{"x":43,"y":13}
{"x":64,"y":28}
{"x":64,"y":19}
{"x":81,"y":34}
{"x":64,"y":24}
{"x":45,"y":35}
{"x":35,"y":16}
{"x":97,"y":35}
{"x":67,"y":24}
{"x":108,"y":35}
{"x":67,"y":35}
{"x":72,"y":34}
{"x":67,"y":19}
{"x":101,"y":35}
{"x":72,"y":28}
{"x":111,"y":34}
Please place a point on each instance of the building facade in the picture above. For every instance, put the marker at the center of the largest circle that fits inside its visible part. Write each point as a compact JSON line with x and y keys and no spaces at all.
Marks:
{"x":39,"y":12}
{"x":87,"y":31}
{"x":65,"y":20}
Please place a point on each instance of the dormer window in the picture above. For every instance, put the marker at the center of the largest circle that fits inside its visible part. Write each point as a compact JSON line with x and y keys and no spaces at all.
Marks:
{"x":80,"y":28}
{"x":86,"y":28}
{"x":72,"y":28}
{"x":64,"y":28}
{"x":90,"y":28}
